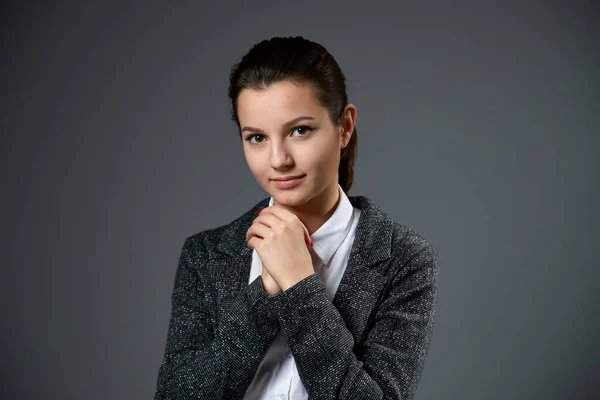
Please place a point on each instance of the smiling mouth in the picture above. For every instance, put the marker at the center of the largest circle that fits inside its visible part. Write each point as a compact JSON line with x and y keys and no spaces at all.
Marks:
{"x":288,"y":178}
{"x":288,"y":182}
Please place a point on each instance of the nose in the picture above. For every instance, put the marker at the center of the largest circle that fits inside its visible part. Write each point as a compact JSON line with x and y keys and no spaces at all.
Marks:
{"x":280,"y":156}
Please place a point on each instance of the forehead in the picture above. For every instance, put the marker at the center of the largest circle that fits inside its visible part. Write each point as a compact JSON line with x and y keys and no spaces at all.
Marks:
{"x":278,"y":103}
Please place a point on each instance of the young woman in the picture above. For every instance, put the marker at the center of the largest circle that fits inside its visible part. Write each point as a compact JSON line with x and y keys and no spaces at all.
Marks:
{"x":311,"y":293}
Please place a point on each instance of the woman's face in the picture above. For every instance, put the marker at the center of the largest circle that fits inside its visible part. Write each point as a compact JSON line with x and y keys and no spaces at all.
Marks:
{"x":285,"y":133}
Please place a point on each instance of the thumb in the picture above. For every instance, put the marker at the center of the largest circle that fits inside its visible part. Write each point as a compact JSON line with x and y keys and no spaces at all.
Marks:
{"x":307,"y":237}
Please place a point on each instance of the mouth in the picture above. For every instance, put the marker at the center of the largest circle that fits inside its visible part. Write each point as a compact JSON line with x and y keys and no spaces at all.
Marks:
{"x":287,"y":178}
{"x":288,"y":181}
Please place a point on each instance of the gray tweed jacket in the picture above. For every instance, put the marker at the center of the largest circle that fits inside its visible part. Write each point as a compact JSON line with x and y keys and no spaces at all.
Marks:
{"x":371,"y":342}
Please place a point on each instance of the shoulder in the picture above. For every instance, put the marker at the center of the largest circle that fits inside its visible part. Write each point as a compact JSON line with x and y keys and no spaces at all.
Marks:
{"x":408,"y":246}
{"x":381,"y":233}
{"x":414,"y":260}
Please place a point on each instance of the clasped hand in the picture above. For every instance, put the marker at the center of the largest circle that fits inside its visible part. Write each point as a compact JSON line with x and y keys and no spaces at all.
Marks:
{"x":278,"y":236}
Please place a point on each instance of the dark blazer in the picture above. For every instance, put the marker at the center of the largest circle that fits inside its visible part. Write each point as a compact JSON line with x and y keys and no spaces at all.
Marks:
{"x":370,"y":342}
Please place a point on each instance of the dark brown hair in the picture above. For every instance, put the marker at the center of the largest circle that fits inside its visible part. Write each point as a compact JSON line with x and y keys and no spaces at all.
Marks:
{"x":299,"y":60}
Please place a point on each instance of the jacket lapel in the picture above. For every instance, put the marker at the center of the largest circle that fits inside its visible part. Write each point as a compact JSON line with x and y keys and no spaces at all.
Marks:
{"x":361,"y":284}
{"x":233,"y":245}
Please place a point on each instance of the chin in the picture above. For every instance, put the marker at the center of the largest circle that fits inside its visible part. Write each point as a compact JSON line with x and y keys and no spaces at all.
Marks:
{"x":289,"y":198}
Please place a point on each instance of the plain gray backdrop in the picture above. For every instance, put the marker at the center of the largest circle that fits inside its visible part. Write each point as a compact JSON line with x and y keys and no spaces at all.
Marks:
{"x":478,"y":128}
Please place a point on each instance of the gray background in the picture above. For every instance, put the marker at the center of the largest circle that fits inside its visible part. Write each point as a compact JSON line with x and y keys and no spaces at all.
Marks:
{"x":478,"y":128}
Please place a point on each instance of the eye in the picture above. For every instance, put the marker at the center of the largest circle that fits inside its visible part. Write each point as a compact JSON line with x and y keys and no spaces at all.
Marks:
{"x":304,"y":128}
{"x":249,"y":138}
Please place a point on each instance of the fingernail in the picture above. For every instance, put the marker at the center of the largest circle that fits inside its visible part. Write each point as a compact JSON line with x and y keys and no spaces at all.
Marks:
{"x":251,"y":223}
{"x":258,"y":212}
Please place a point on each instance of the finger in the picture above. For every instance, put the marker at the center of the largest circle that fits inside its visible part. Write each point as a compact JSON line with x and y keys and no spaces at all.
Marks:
{"x":259,"y":223}
{"x":260,"y":230}
{"x":306,"y":234}
{"x":269,"y":220}
{"x":293,"y":219}
{"x":279,"y":212}
{"x":288,"y":217}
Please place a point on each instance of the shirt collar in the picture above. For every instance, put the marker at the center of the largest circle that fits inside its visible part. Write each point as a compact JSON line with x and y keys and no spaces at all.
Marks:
{"x":332,"y":233}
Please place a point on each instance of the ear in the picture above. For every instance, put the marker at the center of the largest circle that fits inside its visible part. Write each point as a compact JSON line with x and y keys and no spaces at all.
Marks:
{"x":348,"y":124}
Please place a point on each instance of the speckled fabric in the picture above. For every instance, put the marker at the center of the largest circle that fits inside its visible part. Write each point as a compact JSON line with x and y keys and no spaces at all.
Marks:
{"x":370,"y":342}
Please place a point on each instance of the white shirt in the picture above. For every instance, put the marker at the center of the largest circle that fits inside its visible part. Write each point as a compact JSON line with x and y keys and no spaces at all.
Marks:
{"x":277,"y":376}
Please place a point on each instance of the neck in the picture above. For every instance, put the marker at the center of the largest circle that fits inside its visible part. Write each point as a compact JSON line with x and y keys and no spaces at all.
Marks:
{"x":317,"y":211}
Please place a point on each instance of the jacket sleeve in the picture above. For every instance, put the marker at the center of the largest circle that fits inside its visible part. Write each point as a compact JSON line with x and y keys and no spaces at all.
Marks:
{"x":201,"y":362}
{"x":389,"y":361}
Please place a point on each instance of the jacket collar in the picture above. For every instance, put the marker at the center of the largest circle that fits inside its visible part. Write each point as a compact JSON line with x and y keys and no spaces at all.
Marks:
{"x":372,"y":242}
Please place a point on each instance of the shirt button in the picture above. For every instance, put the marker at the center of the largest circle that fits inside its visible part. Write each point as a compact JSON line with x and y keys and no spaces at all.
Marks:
{"x":281,"y":396}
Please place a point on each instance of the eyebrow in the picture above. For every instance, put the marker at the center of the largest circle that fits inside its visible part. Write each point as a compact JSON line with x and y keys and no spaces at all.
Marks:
{"x":291,"y":122}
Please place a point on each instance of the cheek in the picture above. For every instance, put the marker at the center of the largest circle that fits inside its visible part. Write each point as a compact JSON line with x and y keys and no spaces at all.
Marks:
{"x":324,"y":158}
{"x":254,"y":163}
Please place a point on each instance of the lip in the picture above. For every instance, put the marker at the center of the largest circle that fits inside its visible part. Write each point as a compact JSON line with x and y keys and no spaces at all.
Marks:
{"x":288,"y":178}
{"x":287,"y":181}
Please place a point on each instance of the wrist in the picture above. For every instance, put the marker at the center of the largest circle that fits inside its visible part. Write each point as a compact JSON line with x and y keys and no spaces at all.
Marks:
{"x":271,"y":290}
{"x":269,"y":285}
{"x":296,"y":279}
